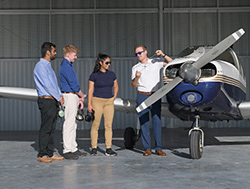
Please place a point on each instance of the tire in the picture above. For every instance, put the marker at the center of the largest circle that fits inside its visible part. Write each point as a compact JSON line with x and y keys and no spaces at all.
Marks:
{"x":195,"y":145}
{"x":129,"y":138}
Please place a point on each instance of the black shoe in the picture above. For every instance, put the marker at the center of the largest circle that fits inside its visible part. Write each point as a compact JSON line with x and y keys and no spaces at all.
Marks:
{"x":71,"y":156}
{"x":79,"y":153}
{"x":110,"y":152}
{"x":93,"y":152}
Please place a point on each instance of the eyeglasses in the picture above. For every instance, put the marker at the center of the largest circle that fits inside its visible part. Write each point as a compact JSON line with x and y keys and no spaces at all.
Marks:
{"x":139,"y":53}
{"x":107,"y":63}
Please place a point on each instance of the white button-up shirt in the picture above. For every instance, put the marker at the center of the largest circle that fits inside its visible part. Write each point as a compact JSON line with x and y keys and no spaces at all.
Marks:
{"x":150,"y":75}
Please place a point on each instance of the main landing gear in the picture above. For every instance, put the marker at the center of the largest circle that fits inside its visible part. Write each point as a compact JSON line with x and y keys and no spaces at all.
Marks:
{"x":196,"y":140}
{"x":131,"y":136}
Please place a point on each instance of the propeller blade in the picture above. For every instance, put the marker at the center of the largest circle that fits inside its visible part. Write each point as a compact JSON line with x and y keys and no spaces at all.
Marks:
{"x":159,"y":94}
{"x":218,"y":49}
{"x":202,"y":61}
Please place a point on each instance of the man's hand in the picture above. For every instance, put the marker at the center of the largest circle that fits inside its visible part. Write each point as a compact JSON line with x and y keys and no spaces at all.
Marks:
{"x":81,"y":104}
{"x":61,"y":100}
{"x":138,"y":74}
{"x":160,"y":53}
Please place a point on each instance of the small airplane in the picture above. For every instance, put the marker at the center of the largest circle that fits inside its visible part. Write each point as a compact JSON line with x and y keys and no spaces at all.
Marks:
{"x":202,"y":83}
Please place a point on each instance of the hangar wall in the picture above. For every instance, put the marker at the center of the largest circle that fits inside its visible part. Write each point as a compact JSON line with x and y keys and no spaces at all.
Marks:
{"x":113,"y":27}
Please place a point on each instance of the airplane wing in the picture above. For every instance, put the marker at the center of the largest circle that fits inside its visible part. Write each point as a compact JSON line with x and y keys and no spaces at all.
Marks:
{"x":121,"y":104}
{"x":18,"y":93}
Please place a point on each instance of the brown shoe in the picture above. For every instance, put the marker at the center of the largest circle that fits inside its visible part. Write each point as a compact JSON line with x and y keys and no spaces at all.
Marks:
{"x":147,"y":152}
{"x":160,"y":153}
{"x":56,"y":157}
{"x":45,"y":159}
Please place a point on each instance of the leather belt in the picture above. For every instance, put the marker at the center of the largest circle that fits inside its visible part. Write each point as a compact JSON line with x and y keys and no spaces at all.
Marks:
{"x":69,"y":92}
{"x":48,"y":97}
{"x":145,"y":93}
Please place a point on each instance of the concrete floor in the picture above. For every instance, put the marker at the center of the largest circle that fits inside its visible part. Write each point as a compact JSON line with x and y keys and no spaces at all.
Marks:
{"x":225,"y":163}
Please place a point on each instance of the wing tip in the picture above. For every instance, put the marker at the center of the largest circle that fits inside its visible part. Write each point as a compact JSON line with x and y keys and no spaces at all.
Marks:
{"x":242,"y":31}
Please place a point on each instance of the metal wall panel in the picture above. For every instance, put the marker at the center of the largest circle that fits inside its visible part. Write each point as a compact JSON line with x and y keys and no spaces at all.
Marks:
{"x":180,"y":33}
{"x":24,"y":4}
{"x":204,"y":29}
{"x":24,"y":115}
{"x":113,"y":27}
{"x":72,"y":4}
{"x":239,"y":20}
{"x":230,"y":3}
{"x":102,"y":4}
{"x":22,"y":35}
{"x":117,"y":35}
{"x":76,"y":30}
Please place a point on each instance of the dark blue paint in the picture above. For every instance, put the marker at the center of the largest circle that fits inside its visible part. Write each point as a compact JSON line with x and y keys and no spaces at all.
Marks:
{"x":218,"y":101}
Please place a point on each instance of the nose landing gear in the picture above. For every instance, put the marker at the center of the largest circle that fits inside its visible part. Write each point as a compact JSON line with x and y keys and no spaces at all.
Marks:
{"x":196,"y":140}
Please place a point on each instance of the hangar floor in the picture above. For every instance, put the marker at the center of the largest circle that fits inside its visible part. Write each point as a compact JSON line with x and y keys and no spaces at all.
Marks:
{"x":225,"y":163}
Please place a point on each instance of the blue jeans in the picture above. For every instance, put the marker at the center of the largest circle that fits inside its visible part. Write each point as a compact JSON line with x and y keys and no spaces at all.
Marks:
{"x":144,"y":122}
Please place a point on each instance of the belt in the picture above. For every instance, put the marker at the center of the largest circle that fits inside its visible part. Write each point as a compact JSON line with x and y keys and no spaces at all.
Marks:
{"x":48,"y":97}
{"x":69,"y":92}
{"x":145,"y":93}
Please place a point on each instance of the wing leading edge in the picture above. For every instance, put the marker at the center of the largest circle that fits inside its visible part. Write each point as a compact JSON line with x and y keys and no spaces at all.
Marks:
{"x":121,"y":105}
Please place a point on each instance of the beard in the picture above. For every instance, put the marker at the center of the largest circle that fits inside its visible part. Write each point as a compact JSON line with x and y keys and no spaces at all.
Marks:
{"x":53,"y":57}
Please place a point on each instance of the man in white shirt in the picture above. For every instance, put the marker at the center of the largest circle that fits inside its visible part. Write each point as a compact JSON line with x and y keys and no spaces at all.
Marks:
{"x":146,"y":78}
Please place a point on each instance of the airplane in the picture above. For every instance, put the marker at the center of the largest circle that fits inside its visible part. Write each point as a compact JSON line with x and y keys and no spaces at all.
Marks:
{"x":202,"y":83}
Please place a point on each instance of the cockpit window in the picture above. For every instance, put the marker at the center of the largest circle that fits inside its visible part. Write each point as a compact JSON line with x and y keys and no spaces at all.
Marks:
{"x":187,"y":51}
{"x":229,"y":56}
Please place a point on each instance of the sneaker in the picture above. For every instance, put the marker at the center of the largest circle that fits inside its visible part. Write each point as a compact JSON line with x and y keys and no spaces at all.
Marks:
{"x":93,"y":152}
{"x":70,"y":156}
{"x":56,"y":157}
{"x":79,"y":153}
{"x":45,"y":159}
{"x":110,"y":152}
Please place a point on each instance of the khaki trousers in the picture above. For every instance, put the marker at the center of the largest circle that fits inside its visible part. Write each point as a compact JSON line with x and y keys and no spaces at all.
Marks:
{"x":103,"y":107}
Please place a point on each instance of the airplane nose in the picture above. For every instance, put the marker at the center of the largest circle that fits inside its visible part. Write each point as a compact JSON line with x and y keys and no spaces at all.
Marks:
{"x":189,"y":73}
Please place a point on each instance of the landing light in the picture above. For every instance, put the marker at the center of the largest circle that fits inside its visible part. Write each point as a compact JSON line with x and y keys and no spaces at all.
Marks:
{"x":191,"y":98}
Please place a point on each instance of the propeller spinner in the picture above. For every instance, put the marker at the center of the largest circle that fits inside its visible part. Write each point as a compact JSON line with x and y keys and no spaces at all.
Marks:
{"x":190,"y":72}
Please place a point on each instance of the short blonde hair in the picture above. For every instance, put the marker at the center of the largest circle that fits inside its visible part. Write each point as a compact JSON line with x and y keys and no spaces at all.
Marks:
{"x":142,"y":46}
{"x":70,"y":48}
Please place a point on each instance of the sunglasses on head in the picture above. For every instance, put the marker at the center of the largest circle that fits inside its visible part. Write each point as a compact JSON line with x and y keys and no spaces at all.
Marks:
{"x":140,"y":52}
{"x":107,"y":63}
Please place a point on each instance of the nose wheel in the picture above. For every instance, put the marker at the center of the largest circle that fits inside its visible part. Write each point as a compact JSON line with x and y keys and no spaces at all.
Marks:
{"x":196,"y":140}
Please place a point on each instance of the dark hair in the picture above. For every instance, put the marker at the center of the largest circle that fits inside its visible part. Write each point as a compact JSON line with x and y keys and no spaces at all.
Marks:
{"x":46,"y":46}
{"x":100,"y":58}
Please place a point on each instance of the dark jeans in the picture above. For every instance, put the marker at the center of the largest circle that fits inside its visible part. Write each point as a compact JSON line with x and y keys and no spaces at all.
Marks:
{"x":48,"y":109}
{"x":144,"y":122}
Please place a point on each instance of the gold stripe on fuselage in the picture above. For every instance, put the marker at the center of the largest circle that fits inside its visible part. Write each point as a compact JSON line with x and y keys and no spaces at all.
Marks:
{"x":217,"y":78}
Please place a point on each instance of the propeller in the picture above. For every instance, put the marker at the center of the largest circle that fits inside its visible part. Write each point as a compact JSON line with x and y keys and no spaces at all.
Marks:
{"x":190,"y":72}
